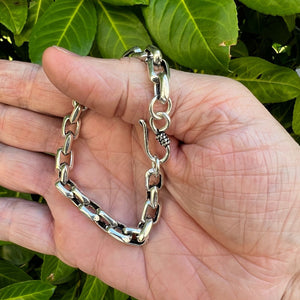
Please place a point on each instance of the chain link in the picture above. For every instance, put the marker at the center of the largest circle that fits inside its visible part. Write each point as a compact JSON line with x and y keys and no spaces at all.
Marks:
{"x":159,"y":74}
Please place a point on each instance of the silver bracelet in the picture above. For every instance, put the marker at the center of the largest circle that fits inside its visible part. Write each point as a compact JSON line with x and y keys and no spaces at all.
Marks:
{"x":159,"y":74}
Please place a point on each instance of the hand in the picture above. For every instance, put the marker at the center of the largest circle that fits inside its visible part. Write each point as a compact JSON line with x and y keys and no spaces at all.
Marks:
{"x":230,"y":223}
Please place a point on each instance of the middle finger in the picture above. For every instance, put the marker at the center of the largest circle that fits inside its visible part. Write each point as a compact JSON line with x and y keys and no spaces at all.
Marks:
{"x":29,"y":130}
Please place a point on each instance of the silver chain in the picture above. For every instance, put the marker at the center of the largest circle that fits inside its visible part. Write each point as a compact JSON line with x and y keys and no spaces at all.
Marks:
{"x":159,"y":75}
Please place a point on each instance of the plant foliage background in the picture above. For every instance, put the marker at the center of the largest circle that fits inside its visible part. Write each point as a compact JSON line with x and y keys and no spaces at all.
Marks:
{"x":252,"y":41}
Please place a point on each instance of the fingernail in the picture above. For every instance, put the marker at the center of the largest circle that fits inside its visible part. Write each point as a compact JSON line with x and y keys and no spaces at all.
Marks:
{"x":64,"y":50}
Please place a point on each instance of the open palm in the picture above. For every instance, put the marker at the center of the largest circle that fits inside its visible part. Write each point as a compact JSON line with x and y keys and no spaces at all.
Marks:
{"x":229,"y":227}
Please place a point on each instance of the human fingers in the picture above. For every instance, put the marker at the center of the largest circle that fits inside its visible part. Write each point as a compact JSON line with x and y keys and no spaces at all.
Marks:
{"x":26,"y":171}
{"x":25,"y":85}
{"x":28,"y":224}
{"x":31,"y":172}
{"x":23,"y":222}
{"x":29,"y":130}
{"x":121,"y":88}
{"x":36,"y":132}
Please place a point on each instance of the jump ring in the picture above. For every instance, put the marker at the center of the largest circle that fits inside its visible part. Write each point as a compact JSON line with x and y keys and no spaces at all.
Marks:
{"x":162,"y":115}
{"x":155,"y":115}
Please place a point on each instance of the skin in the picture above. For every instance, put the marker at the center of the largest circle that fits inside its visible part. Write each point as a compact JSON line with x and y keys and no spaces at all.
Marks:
{"x":229,"y":227}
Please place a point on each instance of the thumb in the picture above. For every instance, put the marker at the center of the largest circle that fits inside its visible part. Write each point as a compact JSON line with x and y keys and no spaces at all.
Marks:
{"x":113,"y":88}
{"x":122,"y":88}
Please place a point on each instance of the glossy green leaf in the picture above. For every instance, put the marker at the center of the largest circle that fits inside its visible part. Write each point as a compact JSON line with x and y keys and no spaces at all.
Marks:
{"x":8,"y":193}
{"x":296,"y":117}
{"x":109,"y":295}
{"x":71,"y":293}
{"x":290,"y":22}
{"x":274,"y":7}
{"x":36,"y":10}
{"x":55,"y":271}
{"x":67,"y":23}
{"x":270,"y":83}
{"x":118,"y":30}
{"x":127,"y":2}
{"x":28,"y":290}
{"x":93,"y":289}
{"x":5,"y":243}
{"x":118,"y":295}
{"x":94,"y":52}
{"x":16,"y":254}
{"x":9,"y":274}
{"x":13,"y":14}
{"x":196,"y":34}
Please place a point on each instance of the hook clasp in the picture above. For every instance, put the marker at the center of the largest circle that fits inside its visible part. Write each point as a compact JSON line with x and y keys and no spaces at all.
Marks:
{"x":163,"y":140}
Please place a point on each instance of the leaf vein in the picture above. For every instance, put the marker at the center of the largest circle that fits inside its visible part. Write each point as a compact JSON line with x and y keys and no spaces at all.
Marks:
{"x":112,"y":24}
{"x":10,"y":13}
{"x":190,"y":16}
{"x":69,"y":22}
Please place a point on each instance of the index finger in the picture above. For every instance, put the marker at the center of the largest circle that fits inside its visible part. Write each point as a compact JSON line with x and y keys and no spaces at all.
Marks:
{"x":26,"y":85}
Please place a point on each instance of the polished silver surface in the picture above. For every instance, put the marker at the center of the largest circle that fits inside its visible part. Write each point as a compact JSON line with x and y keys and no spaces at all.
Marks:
{"x":159,"y":74}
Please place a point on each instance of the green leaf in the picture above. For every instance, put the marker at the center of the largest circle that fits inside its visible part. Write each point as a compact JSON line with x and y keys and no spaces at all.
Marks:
{"x":290,"y":22}
{"x":67,"y":23}
{"x":296,"y":117}
{"x":94,"y":52}
{"x":239,"y":50}
{"x":118,"y":30}
{"x":5,"y":243}
{"x":9,"y":274}
{"x":109,"y":295}
{"x":268,"y":82}
{"x":71,"y":293}
{"x":118,"y":295}
{"x":93,"y":289}
{"x":274,"y":7}
{"x":127,"y":2}
{"x":28,"y":290}
{"x":36,"y":10}
{"x":13,"y":14}
{"x":16,"y":254}
{"x":196,"y":34}
{"x":55,"y":271}
{"x":8,"y":193}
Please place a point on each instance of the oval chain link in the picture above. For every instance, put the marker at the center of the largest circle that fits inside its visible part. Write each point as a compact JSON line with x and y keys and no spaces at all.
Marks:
{"x":159,"y":74}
